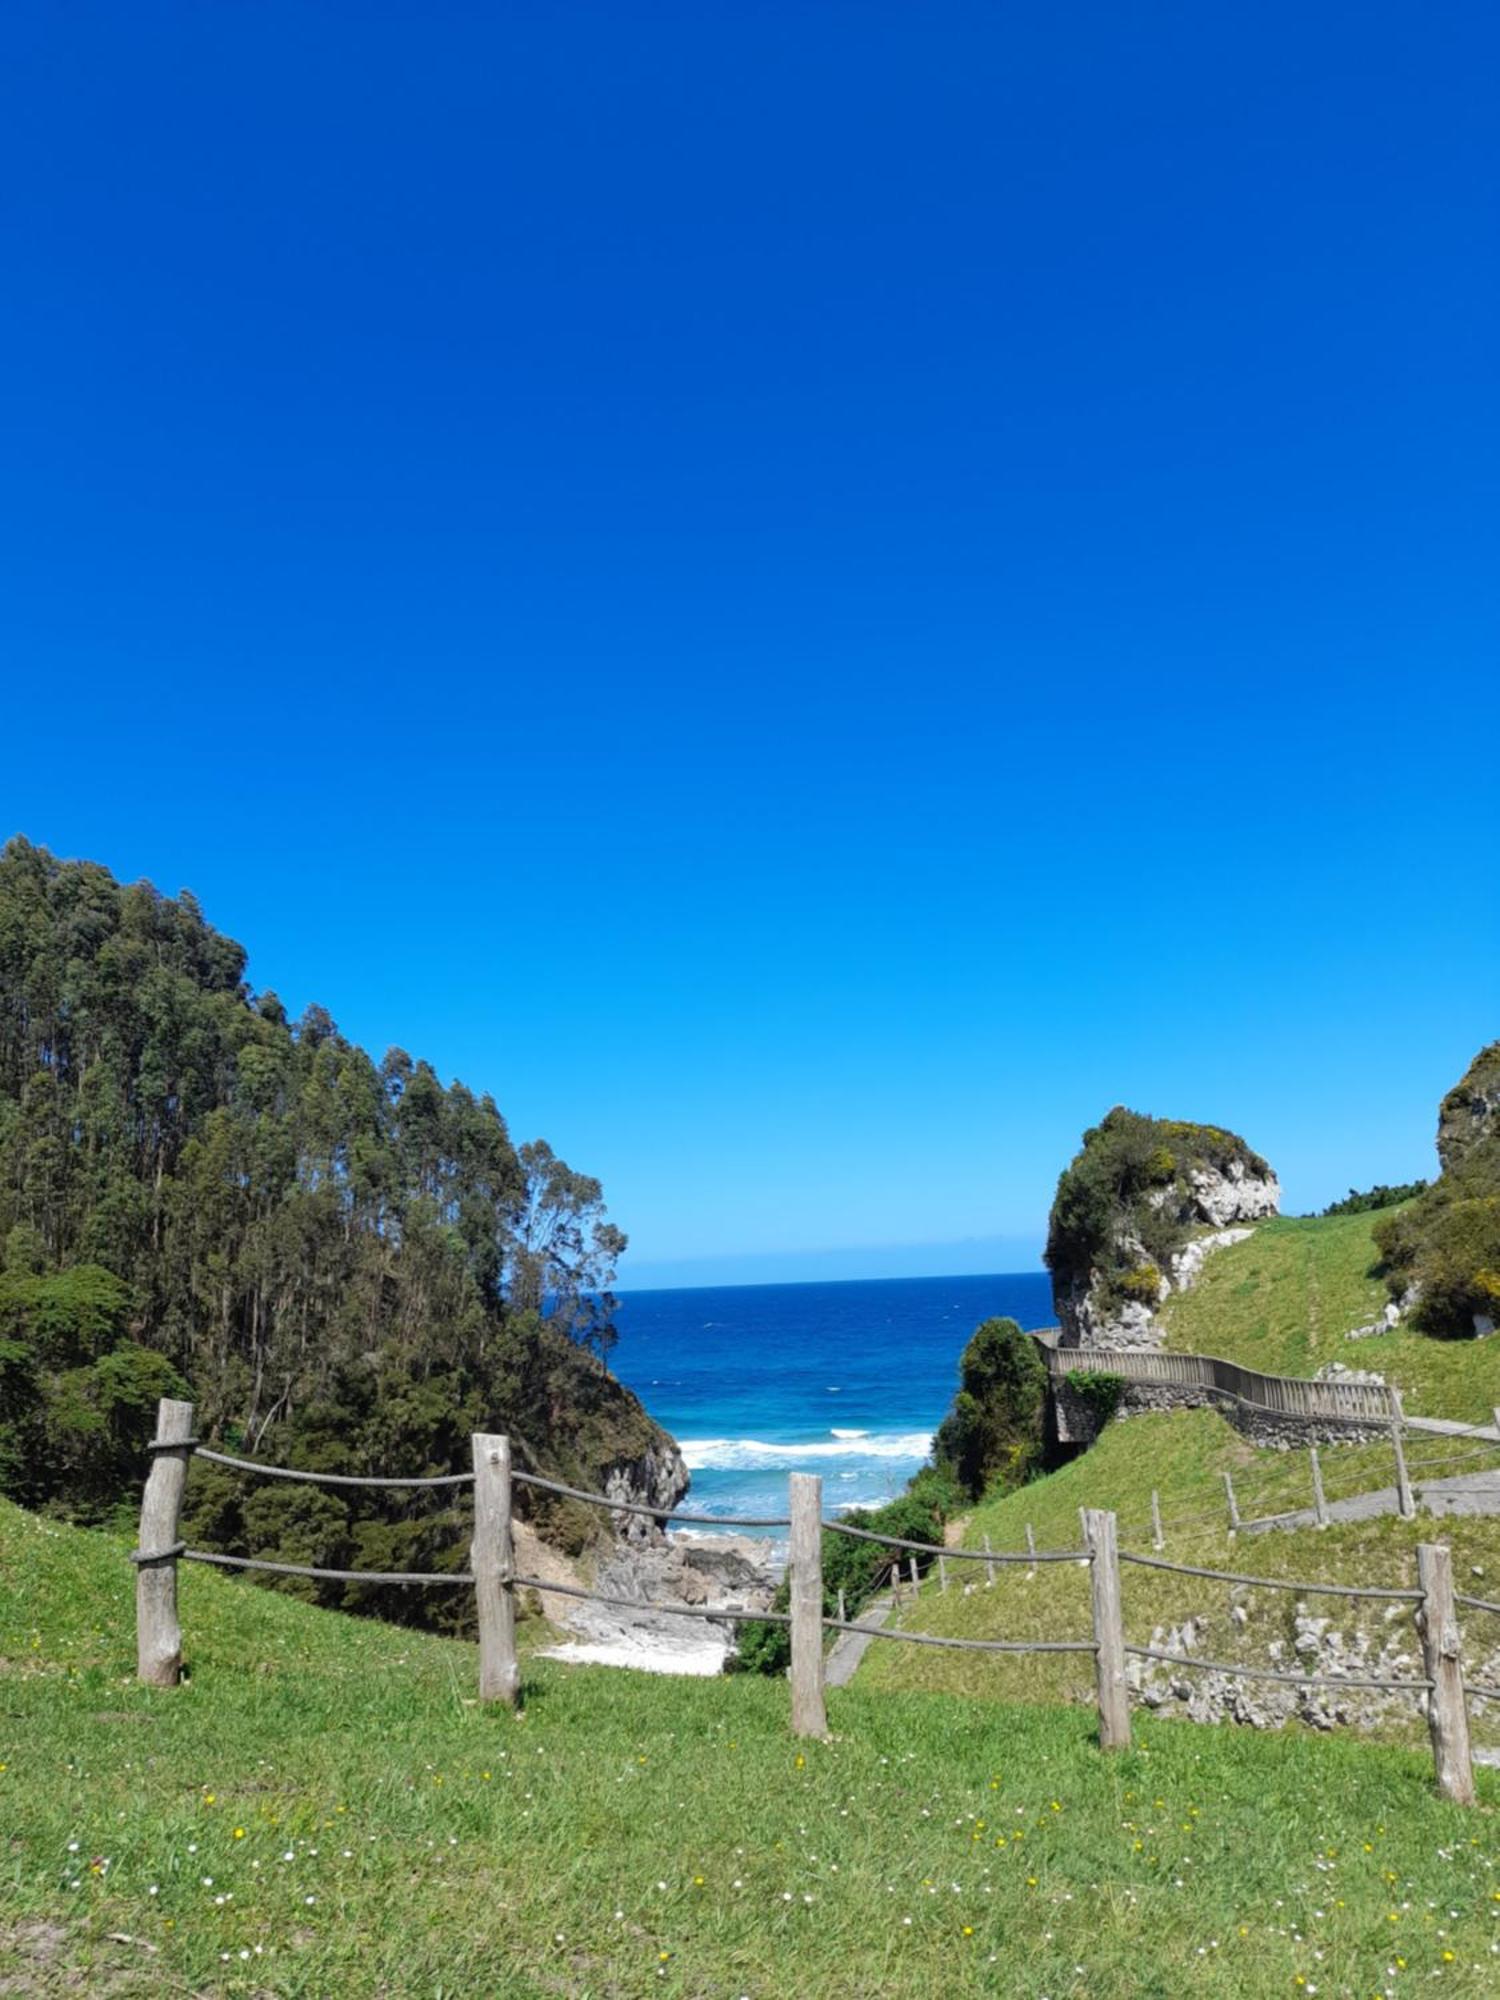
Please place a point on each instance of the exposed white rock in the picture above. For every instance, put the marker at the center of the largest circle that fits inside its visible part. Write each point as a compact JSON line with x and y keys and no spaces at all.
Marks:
{"x":1188,"y":1263}
{"x":1233,"y":1194}
{"x":1386,"y":1323}
{"x":1335,"y":1371}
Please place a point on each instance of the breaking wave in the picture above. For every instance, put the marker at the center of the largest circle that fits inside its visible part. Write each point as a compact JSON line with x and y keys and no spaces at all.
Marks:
{"x":762,"y":1455}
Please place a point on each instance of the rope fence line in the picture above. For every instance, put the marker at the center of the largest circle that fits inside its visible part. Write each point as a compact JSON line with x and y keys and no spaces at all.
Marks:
{"x":1026,"y":1558}
{"x":493,"y":1577}
{"x":332,"y":1575}
{"x":1269,"y":1674}
{"x":653,"y":1513}
{"x":1273,"y":1582}
{"x":726,"y":1615}
{"x":321,"y":1478}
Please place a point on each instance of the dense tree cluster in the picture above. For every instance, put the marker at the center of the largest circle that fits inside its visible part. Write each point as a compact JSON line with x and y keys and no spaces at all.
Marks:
{"x":1365,"y":1201}
{"x":344,"y":1262}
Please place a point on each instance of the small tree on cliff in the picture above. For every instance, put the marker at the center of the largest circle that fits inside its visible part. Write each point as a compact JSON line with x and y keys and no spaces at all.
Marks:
{"x":993,"y":1434}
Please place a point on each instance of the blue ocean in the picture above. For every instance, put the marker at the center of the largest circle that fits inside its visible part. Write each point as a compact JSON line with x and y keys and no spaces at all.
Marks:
{"x":849,"y":1380}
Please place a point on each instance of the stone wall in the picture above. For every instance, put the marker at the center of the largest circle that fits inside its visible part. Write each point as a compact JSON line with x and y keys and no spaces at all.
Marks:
{"x":1075,"y":1419}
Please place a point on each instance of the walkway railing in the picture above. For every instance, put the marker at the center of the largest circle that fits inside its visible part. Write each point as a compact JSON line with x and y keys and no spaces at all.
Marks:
{"x":1278,"y":1395}
{"x":493,"y":1577}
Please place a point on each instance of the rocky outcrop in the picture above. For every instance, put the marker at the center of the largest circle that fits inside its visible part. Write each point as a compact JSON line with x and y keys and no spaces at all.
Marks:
{"x":1441,"y":1251}
{"x":1470,"y":1113}
{"x":656,"y":1477}
{"x":707,"y":1572}
{"x":1384,"y":1647}
{"x":1137,"y":1214}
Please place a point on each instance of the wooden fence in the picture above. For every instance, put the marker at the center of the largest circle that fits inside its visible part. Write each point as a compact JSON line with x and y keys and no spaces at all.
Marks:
{"x":1278,"y":1395}
{"x":494,"y":1580}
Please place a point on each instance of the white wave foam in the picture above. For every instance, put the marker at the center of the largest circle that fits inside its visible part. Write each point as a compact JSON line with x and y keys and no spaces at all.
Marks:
{"x":836,"y":1432}
{"x":761,"y":1455}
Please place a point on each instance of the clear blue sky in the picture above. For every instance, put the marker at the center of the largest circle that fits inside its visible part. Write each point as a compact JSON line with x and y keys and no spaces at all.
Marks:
{"x":812,"y":595}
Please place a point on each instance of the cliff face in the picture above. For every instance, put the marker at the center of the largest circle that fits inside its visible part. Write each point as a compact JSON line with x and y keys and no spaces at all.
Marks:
{"x":1137,"y":1212}
{"x":1441,"y":1252}
{"x":1469,"y":1115}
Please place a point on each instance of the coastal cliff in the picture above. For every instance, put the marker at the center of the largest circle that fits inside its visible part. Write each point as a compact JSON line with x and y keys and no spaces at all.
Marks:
{"x":1137,"y":1212}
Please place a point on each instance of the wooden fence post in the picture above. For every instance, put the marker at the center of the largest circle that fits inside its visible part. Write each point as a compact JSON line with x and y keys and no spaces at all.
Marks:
{"x":1320,"y":1505}
{"x":492,"y":1560}
{"x":843,"y":1614}
{"x":1158,"y":1539}
{"x":1030,"y":1540}
{"x":805,"y":1577}
{"x":1405,"y":1504}
{"x":1234,"y":1510}
{"x":914,"y":1573}
{"x":989,"y":1568}
{"x":942,"y":1573}
{"x":1109,"y":1630}
{"x":158,"y":1633}
{"x":1447,"y":1717}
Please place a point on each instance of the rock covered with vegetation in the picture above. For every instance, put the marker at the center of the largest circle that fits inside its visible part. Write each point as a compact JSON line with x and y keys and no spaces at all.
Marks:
{"x":1442,"y":1251}
{"x":1135,"y":1213}
{"x":346,"y":1264}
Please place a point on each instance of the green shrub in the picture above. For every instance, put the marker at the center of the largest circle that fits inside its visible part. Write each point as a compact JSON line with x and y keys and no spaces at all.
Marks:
{"x":1142,"y":1285}
{"x":1100,"y":1390}
{"x":994,"y":1433}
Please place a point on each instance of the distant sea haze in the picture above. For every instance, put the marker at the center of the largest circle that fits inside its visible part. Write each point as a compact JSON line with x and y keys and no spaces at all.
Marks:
{"x":849,"y":1380}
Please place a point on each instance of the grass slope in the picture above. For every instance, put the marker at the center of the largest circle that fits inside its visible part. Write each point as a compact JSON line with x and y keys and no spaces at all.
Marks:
{"x":1283,"y":1300}
{"x":323,"y":1811}
{"x":1183,"y":1454}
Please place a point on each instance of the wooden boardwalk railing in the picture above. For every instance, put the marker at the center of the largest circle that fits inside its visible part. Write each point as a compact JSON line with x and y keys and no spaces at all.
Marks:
{"x":495,"y":1580}
{"x":1279,"y":1395}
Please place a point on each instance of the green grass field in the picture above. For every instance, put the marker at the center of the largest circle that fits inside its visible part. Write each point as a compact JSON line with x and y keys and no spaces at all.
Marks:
{"x":322,"y":1810}
{"x":1283,"y":1301}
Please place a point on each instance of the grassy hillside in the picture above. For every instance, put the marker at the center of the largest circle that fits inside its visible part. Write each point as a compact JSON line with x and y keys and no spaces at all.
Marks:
{"x":323,"y":1810}
{"x":1283,"y":1301}
{"x":1183,"y":1454}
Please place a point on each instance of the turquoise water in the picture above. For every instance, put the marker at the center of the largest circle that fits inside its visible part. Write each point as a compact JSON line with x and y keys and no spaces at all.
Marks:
{"x":847,"y":1380}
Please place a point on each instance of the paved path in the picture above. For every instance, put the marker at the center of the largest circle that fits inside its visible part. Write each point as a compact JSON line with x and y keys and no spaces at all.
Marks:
{"x":850,"y":1647}
{"x":1473,"y":1493}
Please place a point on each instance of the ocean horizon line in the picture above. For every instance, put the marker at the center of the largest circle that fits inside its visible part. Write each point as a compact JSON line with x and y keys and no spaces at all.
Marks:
{"x":780,"y":1284}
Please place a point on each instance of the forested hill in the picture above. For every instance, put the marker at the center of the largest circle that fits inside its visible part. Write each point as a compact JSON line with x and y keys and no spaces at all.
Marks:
{"x":343,"y":1261}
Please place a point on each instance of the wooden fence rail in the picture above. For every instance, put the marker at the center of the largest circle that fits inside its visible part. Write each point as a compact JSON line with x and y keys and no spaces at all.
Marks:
{"x":1278,"y":1395}
{"x":494,"y":1580}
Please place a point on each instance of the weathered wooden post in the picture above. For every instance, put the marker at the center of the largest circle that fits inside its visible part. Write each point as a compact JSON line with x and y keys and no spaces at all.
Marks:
{"x":1158,"y":1539}
{"x":942,"y":1573}
{"x":1109,"y":1629}
{"x":1030,"y":1540}
{"x":914,"y":1574}
{"x":1496,"y":1415}
{"x":492,"y":1559}
{"x":1320,"y":1505}
{"x":158,"y":1633}
{"x":1234,"y":1507}
{"x":805,"y":1578}
{"x":1405,"y":1504}
{"x":1447,"y":1716}
{"x":843,"y":1614}
{"x":989,"y":1568}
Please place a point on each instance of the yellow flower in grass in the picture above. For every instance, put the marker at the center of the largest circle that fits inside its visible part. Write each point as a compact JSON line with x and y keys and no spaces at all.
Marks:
{"x":239,"y":1833}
